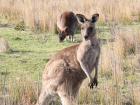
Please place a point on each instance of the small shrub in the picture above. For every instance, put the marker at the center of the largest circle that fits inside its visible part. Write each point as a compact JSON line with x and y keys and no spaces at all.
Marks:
{"x":20,"y":26}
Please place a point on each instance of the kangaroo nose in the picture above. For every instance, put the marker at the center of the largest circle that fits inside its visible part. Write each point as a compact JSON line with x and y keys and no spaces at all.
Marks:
{"x":86,"y":36}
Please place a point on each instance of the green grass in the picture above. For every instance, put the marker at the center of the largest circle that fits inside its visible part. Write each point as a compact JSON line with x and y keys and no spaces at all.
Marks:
{"x":29,"y":52}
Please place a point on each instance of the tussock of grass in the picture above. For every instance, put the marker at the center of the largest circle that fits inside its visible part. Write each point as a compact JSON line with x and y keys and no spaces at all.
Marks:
{"x":4,"y":45}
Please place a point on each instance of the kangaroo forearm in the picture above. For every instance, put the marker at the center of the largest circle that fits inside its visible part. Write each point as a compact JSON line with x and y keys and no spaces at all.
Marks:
{"x":86,"y":71}
{"x":96,"y":67}
{"x":96,"y":72}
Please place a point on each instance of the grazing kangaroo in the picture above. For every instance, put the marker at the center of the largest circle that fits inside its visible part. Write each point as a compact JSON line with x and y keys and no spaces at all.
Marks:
{"x":65,"y":72}
{"x":66,"y":25}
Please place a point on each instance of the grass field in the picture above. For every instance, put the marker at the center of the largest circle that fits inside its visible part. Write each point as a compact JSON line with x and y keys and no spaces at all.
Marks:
{"x":29,"y":52}
{"x":26,"y":59}
{"x":29,"y":27}
{"x":21,"y":67}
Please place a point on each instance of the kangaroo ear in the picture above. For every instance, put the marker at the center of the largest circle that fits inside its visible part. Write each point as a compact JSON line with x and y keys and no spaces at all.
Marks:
{"x":81,"y":18}
{"x":95,"y":17}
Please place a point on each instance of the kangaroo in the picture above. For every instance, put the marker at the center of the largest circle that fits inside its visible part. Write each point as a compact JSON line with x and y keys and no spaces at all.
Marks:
{"x":66,"y":25}
{"x":65,"y":72}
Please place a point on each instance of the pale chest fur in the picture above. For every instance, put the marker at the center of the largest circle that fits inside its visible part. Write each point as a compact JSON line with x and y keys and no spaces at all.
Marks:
{"x":88,"y":53}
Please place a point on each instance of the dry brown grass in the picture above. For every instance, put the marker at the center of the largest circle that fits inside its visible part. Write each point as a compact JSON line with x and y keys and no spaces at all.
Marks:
{"x":18,"y":91}
{"x":42,"y":13}
{"x":117,"y":65}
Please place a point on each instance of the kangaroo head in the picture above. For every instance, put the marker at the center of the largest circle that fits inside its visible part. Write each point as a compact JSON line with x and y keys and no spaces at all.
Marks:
{"x":88,"y":29}
{"x":63,"y":33}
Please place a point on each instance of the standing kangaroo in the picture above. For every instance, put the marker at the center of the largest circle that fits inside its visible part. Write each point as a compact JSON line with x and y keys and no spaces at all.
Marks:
{"x":67,"y":24}
{"x":65,"y":72}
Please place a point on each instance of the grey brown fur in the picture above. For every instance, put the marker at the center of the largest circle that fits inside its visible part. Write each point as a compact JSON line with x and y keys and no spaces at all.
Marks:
{"x":65,"y":72}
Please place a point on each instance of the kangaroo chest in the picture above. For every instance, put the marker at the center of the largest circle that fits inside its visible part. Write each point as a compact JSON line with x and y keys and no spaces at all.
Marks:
{"x":88,"y":53}
{"x":91,"y":57}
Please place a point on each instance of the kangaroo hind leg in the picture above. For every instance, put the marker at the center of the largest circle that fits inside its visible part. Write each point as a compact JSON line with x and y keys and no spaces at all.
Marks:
{"x":45,"y":98}
{"x":66,"y":99}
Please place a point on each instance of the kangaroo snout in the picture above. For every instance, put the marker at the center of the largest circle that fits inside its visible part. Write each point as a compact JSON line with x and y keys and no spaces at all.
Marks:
{"x":61,"y":38}
{"x":86,"y":36}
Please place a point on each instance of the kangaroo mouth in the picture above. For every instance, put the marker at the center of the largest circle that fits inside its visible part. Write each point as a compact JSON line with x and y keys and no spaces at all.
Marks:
{"x":60,"y":40}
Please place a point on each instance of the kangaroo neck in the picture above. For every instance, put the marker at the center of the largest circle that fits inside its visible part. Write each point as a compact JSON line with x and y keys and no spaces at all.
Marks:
{"x":90,"y":41}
